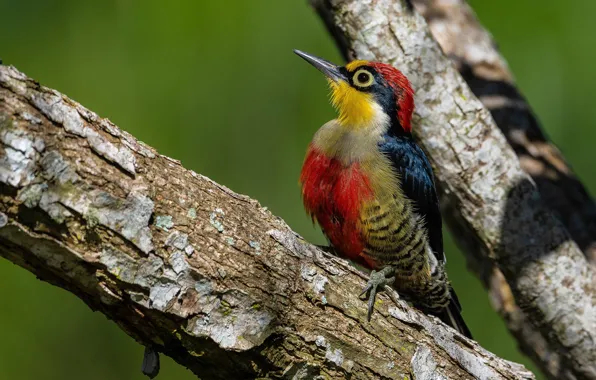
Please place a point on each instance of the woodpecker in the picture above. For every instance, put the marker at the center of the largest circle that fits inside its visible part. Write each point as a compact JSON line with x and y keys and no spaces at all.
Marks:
{"x":371,"y":188}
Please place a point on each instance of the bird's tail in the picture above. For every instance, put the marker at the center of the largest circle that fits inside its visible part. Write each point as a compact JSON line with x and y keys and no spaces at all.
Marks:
{"x":451,"y":315}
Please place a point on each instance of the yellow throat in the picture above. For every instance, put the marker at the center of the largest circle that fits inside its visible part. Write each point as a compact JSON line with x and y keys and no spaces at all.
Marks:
{"x":355,"y":108}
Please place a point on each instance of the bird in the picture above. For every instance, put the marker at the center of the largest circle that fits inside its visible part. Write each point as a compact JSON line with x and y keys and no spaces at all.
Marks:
{"x":371,"y":188}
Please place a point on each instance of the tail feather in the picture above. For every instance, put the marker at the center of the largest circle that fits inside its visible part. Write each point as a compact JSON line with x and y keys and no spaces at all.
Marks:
{"x":451,"y":316}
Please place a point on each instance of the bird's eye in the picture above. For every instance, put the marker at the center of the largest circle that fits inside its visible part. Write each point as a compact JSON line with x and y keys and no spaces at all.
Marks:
{"x":363,"y":78}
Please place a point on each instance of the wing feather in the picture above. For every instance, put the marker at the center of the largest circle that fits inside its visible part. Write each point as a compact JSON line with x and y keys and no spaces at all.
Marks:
{"x":417,"y":183}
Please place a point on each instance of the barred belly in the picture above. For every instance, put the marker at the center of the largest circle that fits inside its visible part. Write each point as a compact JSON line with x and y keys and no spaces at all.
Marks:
{"x":394,"y":235}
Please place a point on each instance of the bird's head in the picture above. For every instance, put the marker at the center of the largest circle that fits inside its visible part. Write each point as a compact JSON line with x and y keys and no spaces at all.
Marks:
{"x":364,"y":92}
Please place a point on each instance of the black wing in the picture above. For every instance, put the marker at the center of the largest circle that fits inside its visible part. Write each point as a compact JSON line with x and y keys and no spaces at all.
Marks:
{"x":417,"y":182}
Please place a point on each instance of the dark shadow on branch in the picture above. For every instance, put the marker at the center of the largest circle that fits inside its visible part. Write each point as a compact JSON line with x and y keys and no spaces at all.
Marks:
{"x":520,"y":260}
{"x":539,"y":157}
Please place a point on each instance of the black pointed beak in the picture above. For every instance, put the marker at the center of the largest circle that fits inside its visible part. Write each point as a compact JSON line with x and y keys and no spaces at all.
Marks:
{"x":330,"y":70}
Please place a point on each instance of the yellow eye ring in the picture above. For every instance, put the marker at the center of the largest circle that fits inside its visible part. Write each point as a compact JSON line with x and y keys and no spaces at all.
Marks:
{"x":363,"y":78}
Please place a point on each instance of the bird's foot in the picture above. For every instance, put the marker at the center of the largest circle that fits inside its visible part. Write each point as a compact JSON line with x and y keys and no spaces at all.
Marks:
{"x":376,"y":283}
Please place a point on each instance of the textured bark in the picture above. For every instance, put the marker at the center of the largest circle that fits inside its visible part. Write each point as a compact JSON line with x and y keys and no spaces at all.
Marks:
{"x":493,"y":207}
{"x":471,"y":48}
{"x":192,"y":269}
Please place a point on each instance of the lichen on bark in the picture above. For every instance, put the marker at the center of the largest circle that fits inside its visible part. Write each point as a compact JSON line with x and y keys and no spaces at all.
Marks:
{"x":192,"y":269}
{"x":488,"y":198}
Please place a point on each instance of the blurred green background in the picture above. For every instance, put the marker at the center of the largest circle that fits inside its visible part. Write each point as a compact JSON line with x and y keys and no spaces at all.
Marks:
{"x":215,"y":84}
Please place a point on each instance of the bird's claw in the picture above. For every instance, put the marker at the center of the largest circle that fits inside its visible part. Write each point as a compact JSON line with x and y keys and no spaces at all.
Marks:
{"x":376,"y":283}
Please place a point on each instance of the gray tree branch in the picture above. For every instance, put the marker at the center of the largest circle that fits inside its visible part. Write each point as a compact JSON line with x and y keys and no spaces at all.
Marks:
{"x":471,"y":48}
{"x":473,"y":51}
{"x":192,"y":269}
{"x":493,"y":207}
